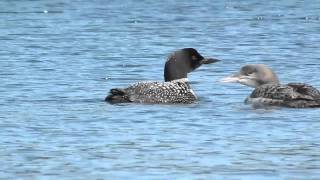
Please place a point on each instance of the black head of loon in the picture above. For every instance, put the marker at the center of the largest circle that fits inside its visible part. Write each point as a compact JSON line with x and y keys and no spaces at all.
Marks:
{"x":253,"y":75}
{"x":182,"y":62}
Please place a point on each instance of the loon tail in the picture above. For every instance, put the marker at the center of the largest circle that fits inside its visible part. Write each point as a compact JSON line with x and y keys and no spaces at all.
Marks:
{"x":317,"y":103}
{"x":117,"y":96}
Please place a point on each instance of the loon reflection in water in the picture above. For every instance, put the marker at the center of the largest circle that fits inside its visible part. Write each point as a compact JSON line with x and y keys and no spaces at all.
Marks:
{"x":269,"y":91}
{"x":175,"y":89}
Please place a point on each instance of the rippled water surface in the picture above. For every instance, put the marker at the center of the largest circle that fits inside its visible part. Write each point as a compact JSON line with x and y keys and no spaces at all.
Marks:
{"x":59,"y":58}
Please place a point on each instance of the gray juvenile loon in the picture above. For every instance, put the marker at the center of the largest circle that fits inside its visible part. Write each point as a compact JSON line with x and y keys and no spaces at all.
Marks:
{"x":175,"y":89}
{"x":269,"y":91}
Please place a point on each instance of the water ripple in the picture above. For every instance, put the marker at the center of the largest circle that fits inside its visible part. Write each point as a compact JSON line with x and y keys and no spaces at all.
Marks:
{"x":59,"y":59}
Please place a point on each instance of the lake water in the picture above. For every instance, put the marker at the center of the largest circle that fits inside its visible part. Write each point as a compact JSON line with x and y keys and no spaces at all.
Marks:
{"x":59,"y":58}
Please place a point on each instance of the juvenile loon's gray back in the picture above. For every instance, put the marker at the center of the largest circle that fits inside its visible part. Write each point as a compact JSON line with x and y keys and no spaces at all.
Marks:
{"x":175,"y":89}
{"x":268,"y":90}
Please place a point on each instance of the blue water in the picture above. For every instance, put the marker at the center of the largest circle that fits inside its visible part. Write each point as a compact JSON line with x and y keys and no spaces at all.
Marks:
{"x":59,"y":58}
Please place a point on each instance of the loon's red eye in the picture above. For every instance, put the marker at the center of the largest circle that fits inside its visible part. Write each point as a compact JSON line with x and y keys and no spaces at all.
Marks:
{"x":194,"y":58}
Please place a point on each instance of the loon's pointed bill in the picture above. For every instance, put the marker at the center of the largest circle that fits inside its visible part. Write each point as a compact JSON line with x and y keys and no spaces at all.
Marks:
{"x":230,"y":79}
{"x":209,"y":60}
{"x":242,"y":79}
{"x":269,"y":91}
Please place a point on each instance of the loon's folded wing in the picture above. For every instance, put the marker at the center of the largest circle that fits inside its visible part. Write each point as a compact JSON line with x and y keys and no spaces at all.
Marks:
{"x":295,"y":95}
{"x":160,"y":92}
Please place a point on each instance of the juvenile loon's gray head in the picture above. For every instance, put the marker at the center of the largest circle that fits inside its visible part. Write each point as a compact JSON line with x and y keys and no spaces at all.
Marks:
{"x":183,"y":61}
{"x":253,"y":75}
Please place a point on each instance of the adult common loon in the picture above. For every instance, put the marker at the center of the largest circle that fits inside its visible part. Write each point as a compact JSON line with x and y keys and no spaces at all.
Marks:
{"x":175,"y":89}
{"x":269,"y":91}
